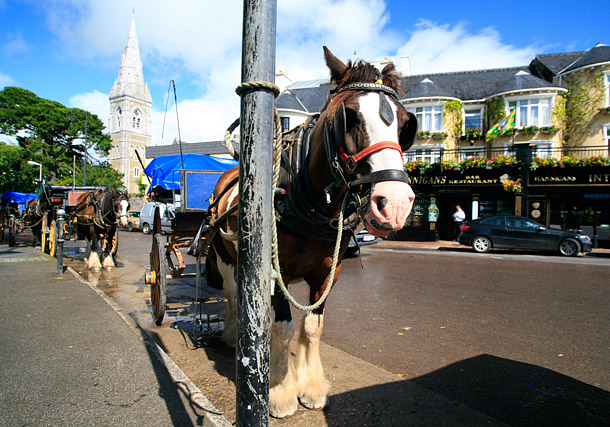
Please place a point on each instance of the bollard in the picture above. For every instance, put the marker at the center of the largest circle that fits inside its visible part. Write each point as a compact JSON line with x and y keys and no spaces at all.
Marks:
{"x":59,"y":249}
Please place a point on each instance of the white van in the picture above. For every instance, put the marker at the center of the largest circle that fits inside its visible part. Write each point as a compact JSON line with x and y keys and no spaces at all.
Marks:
{"x":147,"y":216}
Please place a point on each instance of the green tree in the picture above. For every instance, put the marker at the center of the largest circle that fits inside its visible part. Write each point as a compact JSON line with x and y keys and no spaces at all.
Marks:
{"x":15,"y":174}
{"x":51,"y":133}
{"x":97,"y":175}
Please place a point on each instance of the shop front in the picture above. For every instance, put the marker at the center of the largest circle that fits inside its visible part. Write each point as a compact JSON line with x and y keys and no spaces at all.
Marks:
{"x":572,"y":198}
{"x":479,"y":191}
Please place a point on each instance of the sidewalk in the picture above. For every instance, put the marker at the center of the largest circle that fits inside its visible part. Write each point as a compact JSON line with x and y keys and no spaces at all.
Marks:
{"x":70,"y":358}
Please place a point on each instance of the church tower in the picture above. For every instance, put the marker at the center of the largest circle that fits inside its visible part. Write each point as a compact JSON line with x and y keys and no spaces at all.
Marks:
{"x":129,"y":124}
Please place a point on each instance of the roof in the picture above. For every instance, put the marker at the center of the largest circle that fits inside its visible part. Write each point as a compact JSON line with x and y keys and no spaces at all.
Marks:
{"x":309,"y":97}
{"x":597,"y":55}
{"x":555,"y":62}
{"x":521,"y":81}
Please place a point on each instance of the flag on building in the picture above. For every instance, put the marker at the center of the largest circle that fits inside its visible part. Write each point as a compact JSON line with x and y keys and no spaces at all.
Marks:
{"x":502,"y":127}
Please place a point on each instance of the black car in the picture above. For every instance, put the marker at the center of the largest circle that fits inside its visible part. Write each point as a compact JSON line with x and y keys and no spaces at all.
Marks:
{"x":363,"y":238}
{"x":517,"y":232}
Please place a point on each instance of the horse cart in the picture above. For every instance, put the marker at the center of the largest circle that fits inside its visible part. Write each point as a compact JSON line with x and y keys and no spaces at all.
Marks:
{"x":12,"y":219}
{"x":54,"y":199}
{"x":182,"y":186}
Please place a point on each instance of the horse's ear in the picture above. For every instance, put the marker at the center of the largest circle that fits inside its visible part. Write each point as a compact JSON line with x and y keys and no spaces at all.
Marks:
{"x":408,"y":132}
{"x":337,"y":68}
{"x":339,"y":125}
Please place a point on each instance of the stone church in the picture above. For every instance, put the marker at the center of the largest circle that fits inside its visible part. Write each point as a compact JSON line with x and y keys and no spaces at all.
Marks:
{"x":130,"y":125}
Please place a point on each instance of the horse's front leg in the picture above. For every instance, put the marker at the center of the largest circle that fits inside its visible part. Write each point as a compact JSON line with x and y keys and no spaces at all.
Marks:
{"x":283,"y":391}
{"x":94,"y":258}
{"x":312,"y":383}
{"x":108,"y":249}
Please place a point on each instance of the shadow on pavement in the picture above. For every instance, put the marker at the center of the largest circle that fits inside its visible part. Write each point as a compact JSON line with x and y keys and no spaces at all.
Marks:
{"x":510,"y":392}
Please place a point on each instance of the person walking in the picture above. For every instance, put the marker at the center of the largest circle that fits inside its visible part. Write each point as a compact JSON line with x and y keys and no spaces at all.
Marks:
{"x":458,"y":218}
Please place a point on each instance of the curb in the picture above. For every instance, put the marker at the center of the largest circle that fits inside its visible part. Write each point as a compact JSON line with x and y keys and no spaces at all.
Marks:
{"x":211,"y":415}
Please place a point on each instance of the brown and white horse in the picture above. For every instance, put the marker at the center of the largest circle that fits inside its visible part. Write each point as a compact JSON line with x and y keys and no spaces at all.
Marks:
{"x":353,"y":148}
{"x":96,"y":218}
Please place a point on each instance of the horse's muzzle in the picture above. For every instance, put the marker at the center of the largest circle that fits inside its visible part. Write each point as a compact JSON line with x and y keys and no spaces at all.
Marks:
{"x":384,"y":226}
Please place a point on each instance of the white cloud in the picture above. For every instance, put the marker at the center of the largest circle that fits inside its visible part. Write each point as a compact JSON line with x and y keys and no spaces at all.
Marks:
{"x":95,"y":102}
{"x":6,"y":80}
{"x":198,"y":44}
{"x":435,"y":48}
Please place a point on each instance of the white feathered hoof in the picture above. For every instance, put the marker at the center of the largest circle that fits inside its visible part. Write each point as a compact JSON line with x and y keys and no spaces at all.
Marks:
{"x":94,"y":262}
{"x":282,"y":406}
{"x":108,"y":263}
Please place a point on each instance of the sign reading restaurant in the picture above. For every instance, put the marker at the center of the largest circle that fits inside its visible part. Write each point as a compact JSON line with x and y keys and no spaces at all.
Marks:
{"x":445,"y":180}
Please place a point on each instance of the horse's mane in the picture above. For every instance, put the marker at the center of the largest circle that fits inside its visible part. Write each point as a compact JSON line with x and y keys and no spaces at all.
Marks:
{"x":363,"y":72}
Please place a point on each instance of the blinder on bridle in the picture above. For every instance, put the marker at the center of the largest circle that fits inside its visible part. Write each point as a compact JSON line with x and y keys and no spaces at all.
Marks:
{"x":336,"y":148}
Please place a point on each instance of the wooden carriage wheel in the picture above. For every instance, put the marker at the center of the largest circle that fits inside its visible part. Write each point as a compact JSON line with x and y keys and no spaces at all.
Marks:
{"x":43,"y":233}
{"x":52,"y":237}
{"x":159,"y":271}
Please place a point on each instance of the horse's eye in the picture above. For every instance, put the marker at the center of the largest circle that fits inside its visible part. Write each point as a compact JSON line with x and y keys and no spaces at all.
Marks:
{"x":351,"y":119}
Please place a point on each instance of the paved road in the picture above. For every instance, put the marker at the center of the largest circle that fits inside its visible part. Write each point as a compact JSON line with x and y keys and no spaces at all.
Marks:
{"x":522,"y":338}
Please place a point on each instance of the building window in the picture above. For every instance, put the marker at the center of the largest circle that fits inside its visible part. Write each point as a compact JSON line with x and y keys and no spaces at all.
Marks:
{"x":429,"y":119}
{"x":427,"y":154}
{"x":136,"y":119}
{"x":119,"y":111}
{"x":285,"y":123}
{"x":532,"y":112}
{"x":542,"y":149}
{"x":607,"y":88}
{"x":136,"y":172}
{"x":606,"y":133}
{"x":470,"y":152}
{"x":473,"y":118}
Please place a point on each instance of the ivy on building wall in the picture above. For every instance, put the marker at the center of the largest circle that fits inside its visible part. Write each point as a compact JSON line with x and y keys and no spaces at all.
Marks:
{"x":453,"y":117}
{"x":495,"y":111}
{"x":583,"y":100}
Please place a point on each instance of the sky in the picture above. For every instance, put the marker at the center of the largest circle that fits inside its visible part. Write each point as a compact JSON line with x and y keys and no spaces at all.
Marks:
{"x":69,"y":51}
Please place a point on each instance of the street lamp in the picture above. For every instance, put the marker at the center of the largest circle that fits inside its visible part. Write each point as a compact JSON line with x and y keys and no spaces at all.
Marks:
{"x":31,"y":163}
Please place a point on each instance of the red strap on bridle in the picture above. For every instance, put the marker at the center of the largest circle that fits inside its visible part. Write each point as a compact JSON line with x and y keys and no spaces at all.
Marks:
{"x":347,"y":159}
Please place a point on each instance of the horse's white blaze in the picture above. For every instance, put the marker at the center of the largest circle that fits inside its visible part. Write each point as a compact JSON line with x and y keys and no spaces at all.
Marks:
{"x":123,"y":206}
{"x":398,"y":195}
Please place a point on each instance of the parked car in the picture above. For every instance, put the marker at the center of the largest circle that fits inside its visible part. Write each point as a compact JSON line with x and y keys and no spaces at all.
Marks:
{"x":147,"y":216}
{"x":363,"y":238}
{"x":517,"y":232}
{"x":133,"y":220}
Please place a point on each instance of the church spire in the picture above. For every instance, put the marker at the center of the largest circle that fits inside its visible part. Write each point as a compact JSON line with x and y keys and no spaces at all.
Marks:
{"x":130,"y":81}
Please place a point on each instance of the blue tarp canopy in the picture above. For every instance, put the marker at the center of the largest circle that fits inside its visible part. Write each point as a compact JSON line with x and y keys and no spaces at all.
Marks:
{"x":16,"y":197}
{"x":22,"y":199}
{"x":160,"y":170}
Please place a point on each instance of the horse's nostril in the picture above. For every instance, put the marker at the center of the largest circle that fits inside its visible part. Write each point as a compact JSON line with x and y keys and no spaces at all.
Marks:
{"x":382,"y":203}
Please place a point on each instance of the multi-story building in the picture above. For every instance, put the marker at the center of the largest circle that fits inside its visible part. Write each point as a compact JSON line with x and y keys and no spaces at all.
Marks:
{"x":554,"y":159}
{"x":129,"y":124}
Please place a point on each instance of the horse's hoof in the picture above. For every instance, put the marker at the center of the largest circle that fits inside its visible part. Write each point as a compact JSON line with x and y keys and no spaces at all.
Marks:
{"x":321,"y":403}
{"x":279,"y":413}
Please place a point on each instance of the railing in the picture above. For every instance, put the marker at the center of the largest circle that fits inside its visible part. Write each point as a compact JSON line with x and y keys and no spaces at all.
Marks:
{"x":434,"y":155}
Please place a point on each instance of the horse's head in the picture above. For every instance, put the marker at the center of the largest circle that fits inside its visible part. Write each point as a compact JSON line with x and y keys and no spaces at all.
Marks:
{"x":120,"y":204}
{"x":369,"y":130}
